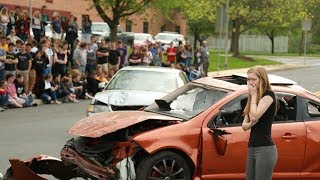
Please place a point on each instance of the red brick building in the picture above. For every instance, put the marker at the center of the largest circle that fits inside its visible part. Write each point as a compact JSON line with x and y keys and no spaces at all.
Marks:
{"x":148,"y":22}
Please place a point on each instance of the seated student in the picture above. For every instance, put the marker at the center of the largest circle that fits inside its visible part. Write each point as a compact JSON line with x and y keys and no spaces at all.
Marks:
{"x":18,"y":82}
{"x":67,"y":89}
{"x":92,"y":83}
{"x":194,"y":73}
{"x":48,"y":93}
{"x":14,"y":100}
{"x":4,"y":97}
{"x":56,"y":82}
{"x":100,"y":74}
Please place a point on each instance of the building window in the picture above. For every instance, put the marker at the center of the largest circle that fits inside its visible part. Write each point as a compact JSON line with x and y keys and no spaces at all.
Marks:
{"x":45,"y":17}
{"x":49,"y":1}
{"x":163,"y":28}
{"x":145,"y":27}
{"x":128,"y":26}
{"x":178,"y":29}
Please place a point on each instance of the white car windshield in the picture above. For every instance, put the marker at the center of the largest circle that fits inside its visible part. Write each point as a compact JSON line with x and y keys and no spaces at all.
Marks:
{"x":144,"y":81}
{"x":167,"y":37}
{"x":100,"y":28}
{"x":142,"y":37}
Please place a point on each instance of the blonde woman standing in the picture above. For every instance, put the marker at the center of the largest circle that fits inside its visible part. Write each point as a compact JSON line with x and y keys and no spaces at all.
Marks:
{"x":259,"y":114}
{"x":4,"y":20}
{"x":36,"y":25}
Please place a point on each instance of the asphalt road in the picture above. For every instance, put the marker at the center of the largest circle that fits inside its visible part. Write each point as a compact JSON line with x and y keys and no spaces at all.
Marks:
{"x":308,"y":76}
{"x":37,"y":130}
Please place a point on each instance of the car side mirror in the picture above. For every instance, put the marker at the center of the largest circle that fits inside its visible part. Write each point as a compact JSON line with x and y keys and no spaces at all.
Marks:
{"x":102,"y":85}
{"x":220,"y":141}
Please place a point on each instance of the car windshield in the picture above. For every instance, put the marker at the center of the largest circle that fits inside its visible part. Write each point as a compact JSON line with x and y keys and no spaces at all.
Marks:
{"x":167,"y":37}
{"x":100,"y":27}
{"x":187,"y":102}
{"x":143,"y":81}
{"x":142,"y":37}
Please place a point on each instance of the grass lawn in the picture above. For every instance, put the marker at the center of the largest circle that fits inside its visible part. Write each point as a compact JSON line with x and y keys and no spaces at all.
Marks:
{"x":236,"y":63}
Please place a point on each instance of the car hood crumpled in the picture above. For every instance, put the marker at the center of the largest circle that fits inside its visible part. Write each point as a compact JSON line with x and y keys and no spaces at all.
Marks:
{"x":129,"y":98}
{"x":108,"y":122}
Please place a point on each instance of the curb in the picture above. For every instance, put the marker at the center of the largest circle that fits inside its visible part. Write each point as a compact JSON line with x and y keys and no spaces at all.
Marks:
{"x":38,"y":101}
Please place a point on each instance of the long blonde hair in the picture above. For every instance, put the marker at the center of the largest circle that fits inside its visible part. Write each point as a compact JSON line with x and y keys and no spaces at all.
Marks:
{"x":264,"y":85}
{"x":4,"y":12}
{"x":37,"y":14}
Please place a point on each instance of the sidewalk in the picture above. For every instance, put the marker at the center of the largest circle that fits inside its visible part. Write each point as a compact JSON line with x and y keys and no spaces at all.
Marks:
{"x":270,"y":69}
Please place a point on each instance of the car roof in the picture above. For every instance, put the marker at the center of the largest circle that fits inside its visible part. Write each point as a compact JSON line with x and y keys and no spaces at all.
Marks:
{"x":170,"y":34}
{"x":152,"y":68}
{"x":238,"y":82}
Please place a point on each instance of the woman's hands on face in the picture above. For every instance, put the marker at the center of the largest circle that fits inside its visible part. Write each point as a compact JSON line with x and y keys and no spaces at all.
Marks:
{"x":252,"y":89}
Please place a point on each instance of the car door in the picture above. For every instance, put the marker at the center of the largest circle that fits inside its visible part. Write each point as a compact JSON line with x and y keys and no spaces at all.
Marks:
{"x":311,"y":116}
{"x":232,"y":164}
{"x":289,"y":135}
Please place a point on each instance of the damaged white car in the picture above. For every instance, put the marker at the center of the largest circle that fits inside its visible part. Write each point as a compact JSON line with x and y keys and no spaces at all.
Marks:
{"x":133,"y":88}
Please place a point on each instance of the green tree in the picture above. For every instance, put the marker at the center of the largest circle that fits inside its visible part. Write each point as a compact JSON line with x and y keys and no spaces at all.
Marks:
{"x":200,"y":29}
{"x":119,"y":9}
{"x":281,"y":19}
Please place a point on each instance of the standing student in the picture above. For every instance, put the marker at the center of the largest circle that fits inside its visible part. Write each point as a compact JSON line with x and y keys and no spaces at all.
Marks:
{"x":259,"y":114}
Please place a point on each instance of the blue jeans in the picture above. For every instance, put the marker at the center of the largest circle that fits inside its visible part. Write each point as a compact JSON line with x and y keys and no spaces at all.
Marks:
{"x":49,"y":96}
{"x":4,"y":100}
{"x":188,"y":62}
{"x":48,"y":70}
{"x":89,"y":68}
{"x":29,"y":101}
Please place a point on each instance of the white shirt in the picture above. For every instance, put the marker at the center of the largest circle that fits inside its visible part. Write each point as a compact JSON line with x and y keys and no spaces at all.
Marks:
{"x":49,"y":53}
{"x":47,"y":85}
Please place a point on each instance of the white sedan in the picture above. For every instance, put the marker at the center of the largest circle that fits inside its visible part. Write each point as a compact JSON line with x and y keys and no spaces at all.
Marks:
{"x":134,"y":87}
{"x":142,"y":39}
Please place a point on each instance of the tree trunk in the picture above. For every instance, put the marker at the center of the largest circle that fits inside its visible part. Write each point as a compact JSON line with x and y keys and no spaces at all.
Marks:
{"x":113,"y":30}
{"x":235,"y":36}
{"x":195,"y":40}
{"x":272,"y":45}
{"x":236,"y":51}
{"x":271,"y":36}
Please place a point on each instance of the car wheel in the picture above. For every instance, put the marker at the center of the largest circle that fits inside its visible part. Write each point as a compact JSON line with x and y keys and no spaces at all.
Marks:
{"x":164,"y":165}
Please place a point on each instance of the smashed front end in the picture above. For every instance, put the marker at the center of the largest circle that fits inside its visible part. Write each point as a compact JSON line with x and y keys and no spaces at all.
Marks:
{"x":101,"y":157}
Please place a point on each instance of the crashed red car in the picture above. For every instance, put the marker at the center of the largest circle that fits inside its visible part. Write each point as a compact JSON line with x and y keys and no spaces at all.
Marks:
{"x":192,"y":133}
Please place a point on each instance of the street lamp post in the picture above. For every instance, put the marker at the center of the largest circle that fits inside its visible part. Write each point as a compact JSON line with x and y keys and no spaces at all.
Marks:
{"x":306,"y":26}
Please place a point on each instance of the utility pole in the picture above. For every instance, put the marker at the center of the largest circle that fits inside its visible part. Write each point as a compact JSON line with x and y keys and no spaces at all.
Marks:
{"x":226,"y":37}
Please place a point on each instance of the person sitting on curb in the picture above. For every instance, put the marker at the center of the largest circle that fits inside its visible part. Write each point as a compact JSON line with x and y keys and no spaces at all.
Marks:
{"x":47,"y":92}
{"x":67,"y":88}
{"x":57,"y":84}
{"x":4,"y":97}
{"x":14,"y":100}
{"x":18,"y":82}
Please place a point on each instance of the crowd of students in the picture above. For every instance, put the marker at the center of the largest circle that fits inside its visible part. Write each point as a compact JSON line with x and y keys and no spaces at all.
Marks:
{"x":68,"y":69}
